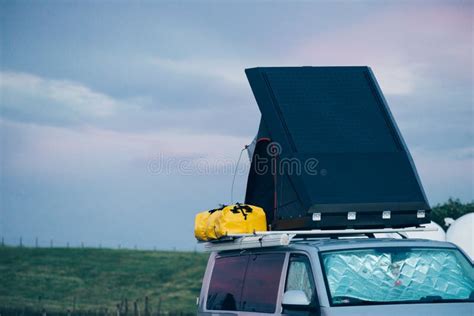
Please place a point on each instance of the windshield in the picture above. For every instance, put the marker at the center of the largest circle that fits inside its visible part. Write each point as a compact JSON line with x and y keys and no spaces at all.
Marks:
{"x":397,"y":275}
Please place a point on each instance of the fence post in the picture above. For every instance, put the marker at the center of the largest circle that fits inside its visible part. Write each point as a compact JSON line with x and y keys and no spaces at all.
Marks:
{"x":135,"y":308}
{"x":126,"y":306}
{"x":147,"y":312}
{"x":40,"y":304}
{"x":118,"y":310}
{"x":159,"y":307}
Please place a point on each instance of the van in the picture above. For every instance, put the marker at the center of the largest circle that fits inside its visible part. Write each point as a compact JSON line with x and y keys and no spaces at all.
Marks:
{"x":338,"y":275}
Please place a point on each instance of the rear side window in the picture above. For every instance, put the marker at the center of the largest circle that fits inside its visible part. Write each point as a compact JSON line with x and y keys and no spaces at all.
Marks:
{"x":262,"y":281}
{"x":245,"y":283}
{"x":227,"y":280}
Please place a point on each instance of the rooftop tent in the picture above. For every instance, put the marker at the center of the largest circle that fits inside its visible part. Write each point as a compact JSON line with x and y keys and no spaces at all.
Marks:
{"x":328,"y":153}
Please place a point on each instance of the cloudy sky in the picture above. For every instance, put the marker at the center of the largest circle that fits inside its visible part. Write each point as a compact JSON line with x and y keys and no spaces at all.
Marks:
{"x":119,"y":121}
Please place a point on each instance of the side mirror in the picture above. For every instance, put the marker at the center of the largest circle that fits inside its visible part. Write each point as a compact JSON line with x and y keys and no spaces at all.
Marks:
{"x":296,"y":300}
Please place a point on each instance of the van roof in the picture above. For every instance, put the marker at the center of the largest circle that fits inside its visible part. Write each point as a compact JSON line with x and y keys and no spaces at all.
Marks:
{"x":327,"y":244}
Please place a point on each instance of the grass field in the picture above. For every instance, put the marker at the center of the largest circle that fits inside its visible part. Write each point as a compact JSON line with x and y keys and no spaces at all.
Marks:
{"x":60,"y":278}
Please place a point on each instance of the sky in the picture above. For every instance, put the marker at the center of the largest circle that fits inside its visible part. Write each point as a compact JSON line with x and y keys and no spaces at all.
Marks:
{"x":119,"y":121}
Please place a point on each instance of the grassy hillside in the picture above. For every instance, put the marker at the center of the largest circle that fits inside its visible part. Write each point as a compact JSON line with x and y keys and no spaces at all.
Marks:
{"x":59,"y":278}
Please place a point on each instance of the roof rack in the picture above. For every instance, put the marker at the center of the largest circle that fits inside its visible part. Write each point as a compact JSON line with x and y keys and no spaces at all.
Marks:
{"x":283,"y":238}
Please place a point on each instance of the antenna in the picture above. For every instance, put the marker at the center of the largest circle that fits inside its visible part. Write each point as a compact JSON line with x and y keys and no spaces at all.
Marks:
{"x":235,"y":173}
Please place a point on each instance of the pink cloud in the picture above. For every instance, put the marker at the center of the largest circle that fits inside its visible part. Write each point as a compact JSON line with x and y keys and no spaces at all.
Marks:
{"x":400,"y":44}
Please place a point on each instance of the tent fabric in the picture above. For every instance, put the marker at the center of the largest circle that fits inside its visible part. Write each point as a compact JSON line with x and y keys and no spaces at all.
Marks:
{"x":337,"y":119}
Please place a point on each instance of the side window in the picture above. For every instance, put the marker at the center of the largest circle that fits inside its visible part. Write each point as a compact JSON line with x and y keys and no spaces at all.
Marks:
{"x":226,"y":283}
{"x":262,"y":282}
{"x":300,"y":276}
{"x":245,"y":283}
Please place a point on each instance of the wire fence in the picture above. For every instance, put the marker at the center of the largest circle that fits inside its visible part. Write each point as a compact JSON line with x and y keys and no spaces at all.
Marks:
{"x":51,"y":243}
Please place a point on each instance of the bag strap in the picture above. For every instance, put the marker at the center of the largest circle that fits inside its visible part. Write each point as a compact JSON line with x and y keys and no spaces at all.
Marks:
{"x":244,"y":209}
{"x":217,"y":209}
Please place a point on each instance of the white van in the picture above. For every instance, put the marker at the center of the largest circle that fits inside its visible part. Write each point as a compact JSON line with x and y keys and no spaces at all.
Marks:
{"x":339,"y":276}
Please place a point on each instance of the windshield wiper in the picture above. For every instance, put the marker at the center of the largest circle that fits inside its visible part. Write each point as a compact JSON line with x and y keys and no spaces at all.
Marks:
{"x":439,"y":299}
{"x":350,"y":300}
{"x":431,"y":298}
{"x":342,"y":300}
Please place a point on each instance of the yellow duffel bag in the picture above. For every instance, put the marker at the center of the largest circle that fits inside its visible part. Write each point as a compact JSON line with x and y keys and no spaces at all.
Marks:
{"x":201,"y":224}
{"x":232,"y":219}
{"x":240,"y":219}
{"x":211,"y":224}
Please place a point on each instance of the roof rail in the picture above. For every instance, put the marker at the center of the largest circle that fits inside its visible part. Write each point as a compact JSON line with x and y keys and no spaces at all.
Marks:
{"x":283,"y":238}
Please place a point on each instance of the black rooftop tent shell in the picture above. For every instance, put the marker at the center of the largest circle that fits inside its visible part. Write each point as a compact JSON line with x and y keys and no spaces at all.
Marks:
{"x":328,"y":144}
